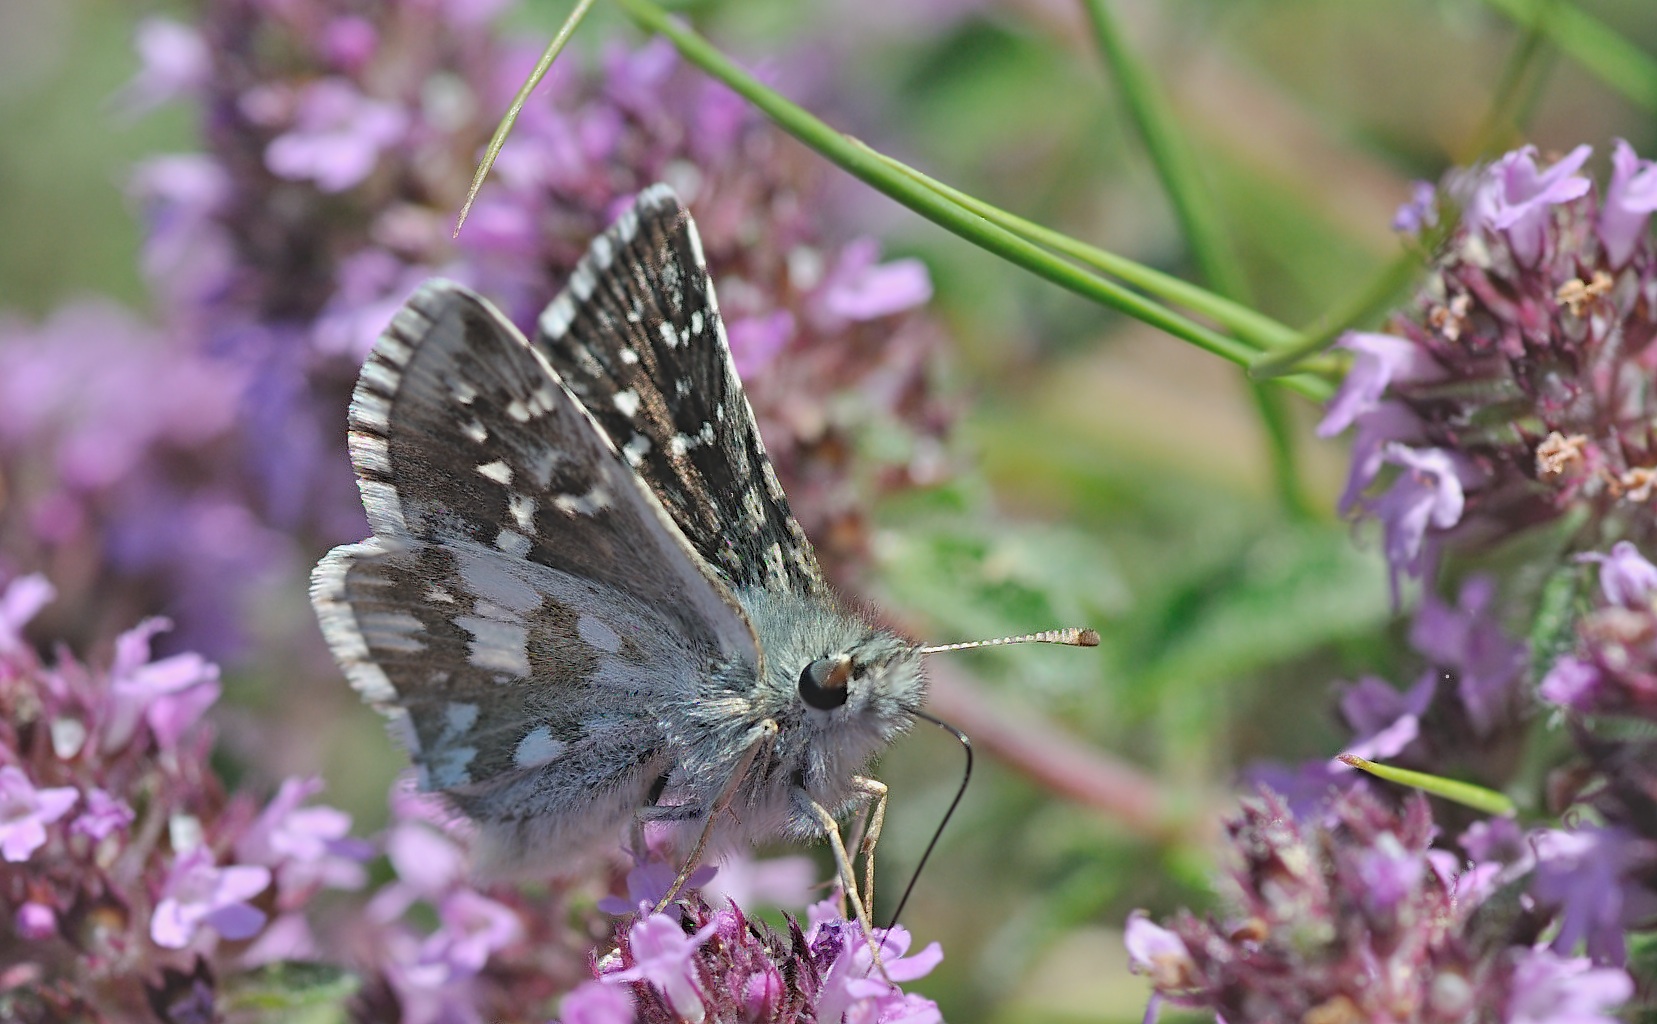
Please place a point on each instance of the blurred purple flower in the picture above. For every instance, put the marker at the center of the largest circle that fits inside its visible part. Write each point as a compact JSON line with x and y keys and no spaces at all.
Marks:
{"x":1586,"y":874}
{"x":1384,"y":720}
{"x":306,"y":846}
{"x":25,"y":811}
{"x":1625,"y":577}
{"x":1488,"y":664}
{"x":593,"y":1002}
{"x":862,"y":288}
{"x":1572,"y":683}
{"x":200,"y":893}
{"x":173,"y":61}
{"x":20,"y":602}
{"x":787,"y":883}
{"x":169,"y":695}
{"x":1547,"y":989}
{"x":1630,"y":198}
{"x":1420,"y":211}
{"x":648,"y":881}
{"x":1157,"y":953}
{"x":337,"y":136}
{"x":35,"y":922}
{"x":104,"y":815}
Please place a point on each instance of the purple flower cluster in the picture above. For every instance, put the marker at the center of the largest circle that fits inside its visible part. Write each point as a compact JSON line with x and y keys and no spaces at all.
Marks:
{"x":719,"y":966}
{"x":121,"y":857}
{"x":1514,"y":386}
{"x":1613,"y":668}
{"x":1350,"y":914}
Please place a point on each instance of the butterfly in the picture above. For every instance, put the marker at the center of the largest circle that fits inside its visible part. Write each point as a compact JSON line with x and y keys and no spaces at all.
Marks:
{"x":585,"y":602}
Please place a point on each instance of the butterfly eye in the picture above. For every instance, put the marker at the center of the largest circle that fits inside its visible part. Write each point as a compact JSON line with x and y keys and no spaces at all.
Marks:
{"x":823,"y":682}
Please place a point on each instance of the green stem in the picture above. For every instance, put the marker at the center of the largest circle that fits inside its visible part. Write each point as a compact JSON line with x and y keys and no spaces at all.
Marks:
{"x":861,"y":162}
{"x":1601,"y":50}
{"x":1465,"y":793}
{"x":1380,"y":295}
{"x":1200,"y":224}
{"x":1257,"y":329}
{"x":502,"y":130}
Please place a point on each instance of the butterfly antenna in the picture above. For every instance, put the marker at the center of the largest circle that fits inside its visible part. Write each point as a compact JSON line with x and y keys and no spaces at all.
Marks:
{"x":1073,"y":636}
{"x":966,"y":777}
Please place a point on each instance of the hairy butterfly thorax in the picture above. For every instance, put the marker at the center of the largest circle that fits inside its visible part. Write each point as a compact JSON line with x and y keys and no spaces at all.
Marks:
{"x":585,"y":603}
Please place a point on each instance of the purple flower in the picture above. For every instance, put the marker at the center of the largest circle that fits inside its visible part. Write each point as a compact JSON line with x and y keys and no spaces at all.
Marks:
{"x":1625,"y":577}
{"x":1157,"y":953}
{"x":1384,"y":720}
{"x":1428,"y":493}
{"x":852,"y":989}
{"x":756,"y":340}
{"x":35,"y":922}
{"x":103,"y":816}
{"x":664,"y":956}
{"x":593,"y":1002}
{"x":648,"y":881}
{"x":472,"y":928}
{"x":1585,"y":873}
{"x":1420,"y":211}
{"x":1517,"y":198}
{"x":861,"y":288}
{"x":784,"y":882}
{"x":169,"y":695}
{"x":26,"y":811}
{"x":307,"y":846}
{"x":1572,"y":683}
{"x":1547,"y":989}
{"x":1468,"y":639}
{"x":20,"y":602}
{"x":1630,"y":198}
{"x":1379,"y":360}
{"x":337,"y":136}
{"x":174,"y":61}
{"x":200,"y":893}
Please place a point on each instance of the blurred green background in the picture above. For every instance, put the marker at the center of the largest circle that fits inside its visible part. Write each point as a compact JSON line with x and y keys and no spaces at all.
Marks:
{"x":1109,"y":475}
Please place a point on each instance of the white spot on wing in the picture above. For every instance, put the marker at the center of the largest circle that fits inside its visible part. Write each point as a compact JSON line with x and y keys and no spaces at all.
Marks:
{"x":458,"y":717}
{"x":497,"y":646}
{"x":630,"y":357}
{"x":557,"y":317}
{"x":475,"y":430}
{"x":537,"y":748}
{"x":627,"y":402}
{"x":597,"y":633}
{"x":582,"y":283}
{"x":497,"y":471}
{"x":447,"y":768}
{"x":593,"y":501}
{"x":670,"y":337}
{"x":522,"y":507}
{"x":635,"y":449}
{"x":512,"y":542}
{"x":601,"y":252}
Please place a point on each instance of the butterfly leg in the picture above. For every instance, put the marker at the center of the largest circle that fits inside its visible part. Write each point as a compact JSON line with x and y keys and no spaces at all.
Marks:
{"x":766,"y":733}
{"x":874,"y":818}
{"x":843,"y":867}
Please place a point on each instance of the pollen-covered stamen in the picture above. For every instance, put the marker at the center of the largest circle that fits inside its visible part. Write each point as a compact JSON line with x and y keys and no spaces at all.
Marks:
{"x":823,"y":682}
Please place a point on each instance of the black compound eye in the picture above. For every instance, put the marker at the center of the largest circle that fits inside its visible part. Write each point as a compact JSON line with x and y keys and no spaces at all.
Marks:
{"x":823,"y":682}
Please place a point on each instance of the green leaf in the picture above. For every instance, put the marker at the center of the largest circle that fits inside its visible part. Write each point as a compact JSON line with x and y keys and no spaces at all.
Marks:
{"x":1465,"y":793}
{"x":292,"y":992}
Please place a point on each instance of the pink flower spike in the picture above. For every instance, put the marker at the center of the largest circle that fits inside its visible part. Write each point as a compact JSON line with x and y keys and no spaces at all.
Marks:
{"x":1630,"y":199}
{"x":169,"y":695}
{"x":26,"y":811}
{"x":199,"y":892}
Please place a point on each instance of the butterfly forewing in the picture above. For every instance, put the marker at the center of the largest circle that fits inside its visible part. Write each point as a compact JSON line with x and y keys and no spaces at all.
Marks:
{"x":638,"y":338}
{"x":515,"y":561}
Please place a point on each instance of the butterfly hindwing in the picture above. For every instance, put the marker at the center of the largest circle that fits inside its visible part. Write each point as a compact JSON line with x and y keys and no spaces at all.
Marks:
{"x":516,"y":564}
{"x":638,"y":338}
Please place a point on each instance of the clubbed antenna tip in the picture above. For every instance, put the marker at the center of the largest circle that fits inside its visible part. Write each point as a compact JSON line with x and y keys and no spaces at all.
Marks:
{"x":1071,"y":636}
